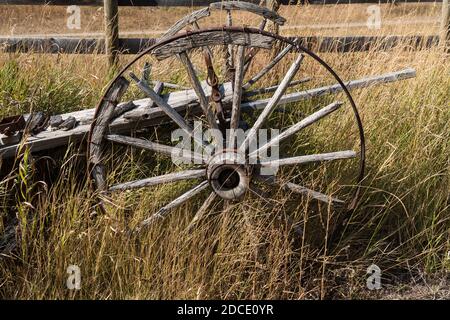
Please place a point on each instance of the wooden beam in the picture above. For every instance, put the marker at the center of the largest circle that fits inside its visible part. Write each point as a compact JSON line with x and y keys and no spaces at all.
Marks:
{"x":142,"y":115}
{"x":135,"y":45}
{"x":333,"y":89}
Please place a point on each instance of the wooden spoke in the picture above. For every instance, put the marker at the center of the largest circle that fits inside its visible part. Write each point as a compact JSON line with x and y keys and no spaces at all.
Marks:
{"x":237,"y":94}
{"x":229,"y":18}
{"x":316,"y":116}
{"x":146,"y":72}
{"x":156,"y":147}
{"x":311,"y":158}
{"x":195,"y":82}
{"x":167,"y":178}
{"x":311,"y":193}
{"x":202,"y":210}
{"x":299,"y":189}
{"x":229,"y":65}
{"x":252,"y":52}
{"x":263,"y":24}
{"x":171,"y":112}
{"x":248,"y":94}
{"x":273,"y":102}
{"x":158,"y":88}
{"x":175,"y":203}
{"x":175,"y":116}
{"x":269,"y":67}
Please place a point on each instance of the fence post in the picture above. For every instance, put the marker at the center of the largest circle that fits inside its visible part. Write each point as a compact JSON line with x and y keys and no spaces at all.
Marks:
{"x":111,"y":31}
{"x":445,"y":26}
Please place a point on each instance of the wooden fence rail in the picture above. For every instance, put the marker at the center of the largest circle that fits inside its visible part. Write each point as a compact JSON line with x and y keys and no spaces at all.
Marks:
{"x":135,"y":45}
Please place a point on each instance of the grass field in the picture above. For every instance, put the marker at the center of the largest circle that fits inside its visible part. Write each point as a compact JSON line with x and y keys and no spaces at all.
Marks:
{"x":401,"y":222}
{"x":341,"y":19}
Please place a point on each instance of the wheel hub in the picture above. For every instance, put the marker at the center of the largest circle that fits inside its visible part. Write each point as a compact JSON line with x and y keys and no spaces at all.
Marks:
{"x":229,"y":174}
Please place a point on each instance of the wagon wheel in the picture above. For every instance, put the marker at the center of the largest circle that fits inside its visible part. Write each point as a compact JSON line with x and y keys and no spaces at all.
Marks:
{"x":231,"y":169}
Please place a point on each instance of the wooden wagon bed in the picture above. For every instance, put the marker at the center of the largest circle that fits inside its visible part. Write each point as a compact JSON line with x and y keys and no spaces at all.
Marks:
{"x":143,"y":113}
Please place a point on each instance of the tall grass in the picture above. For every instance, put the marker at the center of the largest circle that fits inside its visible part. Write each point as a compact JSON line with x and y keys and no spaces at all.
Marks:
{"x":401,"y":222}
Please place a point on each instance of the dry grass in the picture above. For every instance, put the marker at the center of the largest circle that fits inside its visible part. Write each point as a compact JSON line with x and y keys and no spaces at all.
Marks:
{"x":247,"y":251}
{"x":396,"y":19}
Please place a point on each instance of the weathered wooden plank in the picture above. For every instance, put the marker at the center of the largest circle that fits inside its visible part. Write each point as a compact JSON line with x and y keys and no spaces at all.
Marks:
{"x":206,"y":50}
{"x":170,"y":85}
{"x":175,"y":99}
{"x":167,"y":178}
{"x":271,"y":89}
{"x":142,"y":115}
{"x":336,"y":88}
{"x":250,"y":7}
{"x":212,"y":38}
